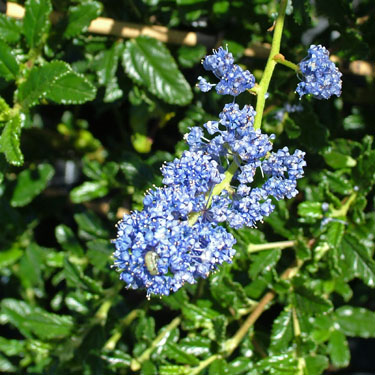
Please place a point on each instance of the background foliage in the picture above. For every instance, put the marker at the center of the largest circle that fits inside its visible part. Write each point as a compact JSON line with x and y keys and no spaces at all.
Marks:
{"x":86,"y":122}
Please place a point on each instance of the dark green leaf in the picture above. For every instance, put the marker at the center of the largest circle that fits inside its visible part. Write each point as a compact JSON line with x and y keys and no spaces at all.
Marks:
{"x":71,"y":88}
{"x":148,"y":62}
{"x":190,"y":56}
{"x":284,"y":364}
{"x":76,"y":279}
{"x":175,"y":353}
{"x":8,"y":63}
{"x":263,"y":261}
{"x":99,"y":252}
{"x":39,"y":82}
{"x":80,"y":16}
{"x":88,"y":191}
{"x":338,"y":349}
{"x":9,"y":29}
{"x":145,"y":329}
{"x":301,"y":11}
{"x":282,"y":332}
{"x":68,"y":241}
{"x":307,"y":301}
{"x":335,"y":232}
{"x":358,"y":259}
{"x":240,"y":365}
{"x":34,"y":320}
{"x":363,"y":173}
{"x":30,"y":183}
{"x":220,"y":327}
{"x":10,"y":141}
{"x":356,"y":321}
{"x":36,"y":22}
{"x":91,"y":226}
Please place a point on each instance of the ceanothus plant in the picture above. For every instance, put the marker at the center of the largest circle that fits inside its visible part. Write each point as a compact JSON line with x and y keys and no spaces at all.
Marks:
{"x":177,"y":238}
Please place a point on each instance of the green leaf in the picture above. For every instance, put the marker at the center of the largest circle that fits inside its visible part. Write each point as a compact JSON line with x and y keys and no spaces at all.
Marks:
{"x":220,"y":327}
{"x":148,"y":368}
{"x":31,"y":266}
{"x":8,"y":63}
{"x":335,"y":233}
{"x":197,"y":345}
{"x":240,"y":365}
{"x":9,"y":257}
{"x":99,"y":252}
{"x":282,"y":332}
{"x":71,"y":88}
{"x":172,"y":351}
{"x":6,"y":366}
{"x":284,"y":364}
{"x":10,"y":141}
{"x":149,"y":63}
{"x":91,"y":226}
{"x":12,"y":347}
{"x":310,"y":210}
{"x":76,"y":279}
{"x":316,"y":364}
{"x":36,"y":22}
{"x":356,"y":321}
{"x":80,"y":17}
{"x":67,"y":240}
{"x":338,"y":160}
{"x":263,"y":261}
{"x":190,"y":56}
{"x":9,"y":29}
{"x":357,"y":258}
{"x":309,"y":302}
{"x":89,"y":190}
{"x":39,"y":82}
{"x":363,"y":173}
{"x":5,"y":113}
{"x":338,"y":349}
{"x":172,"y":370}
{"x":218,"y":367}
{"x":34,"y":320}
{"x":301,"y":11}
{"x":30,"y":183}
{"x":117,"y":359}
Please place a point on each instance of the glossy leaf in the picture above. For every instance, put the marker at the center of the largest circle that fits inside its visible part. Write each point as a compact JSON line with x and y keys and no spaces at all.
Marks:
{"x":36,"y":321}
{"x":175,"y":353}
{"x":80,"y":16}
{"x":89,"y":190}
{"x":338,"y":349}
{"x":39,"y":82}
{"x":67,"y":239}
{"x":10,"y":141}
{"x":9,"y":29}
{"x":31,"y":183}
{"x":149,"y":63}
{"x":356,"y":321}
{"x":282,"y":332}
{"x":8,"y":63}
{"x":71,"y":88}
{"x":36,"y":22}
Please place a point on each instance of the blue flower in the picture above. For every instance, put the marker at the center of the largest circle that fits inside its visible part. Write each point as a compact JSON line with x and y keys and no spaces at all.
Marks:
{"x":233,"y":79}
{"x":321,"y":77}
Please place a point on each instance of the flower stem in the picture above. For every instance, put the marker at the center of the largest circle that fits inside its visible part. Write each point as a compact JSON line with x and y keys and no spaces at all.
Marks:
{"x":217,"y":190}
{"x":271,"y":63}
{"x":280,"y":59}
{"x":252,"y":248}
{"x":136,"y":363}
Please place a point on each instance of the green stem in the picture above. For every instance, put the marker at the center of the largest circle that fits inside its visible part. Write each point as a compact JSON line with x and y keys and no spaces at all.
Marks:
{"x":342,"y":212}
{"x":270,"y":66}
{"x":225,"y":184}
{"x":252,"y":248}
{"x":203,"y":364}
{"x":280,"y":59}
{"x":136,"y":363}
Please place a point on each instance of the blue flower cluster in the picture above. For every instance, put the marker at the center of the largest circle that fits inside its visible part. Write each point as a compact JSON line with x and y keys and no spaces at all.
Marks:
{"x":321,"y":77}
{"x":233,"y":79}
{"x":177,"y":238}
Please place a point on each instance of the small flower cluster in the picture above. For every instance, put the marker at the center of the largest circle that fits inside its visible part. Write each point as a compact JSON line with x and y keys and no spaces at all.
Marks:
{"x":321,"y":77}
{"x":233,"y":79}
{"x":177,"y":238}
